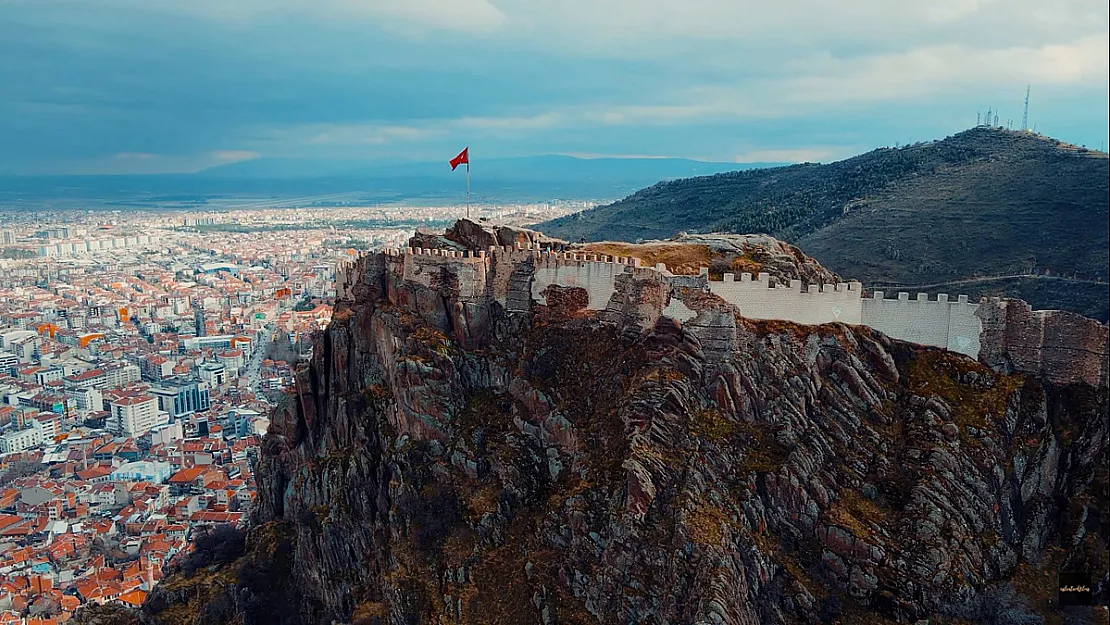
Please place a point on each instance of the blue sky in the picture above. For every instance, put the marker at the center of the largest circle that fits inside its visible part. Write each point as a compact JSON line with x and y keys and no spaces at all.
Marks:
{"x":140,"y":86}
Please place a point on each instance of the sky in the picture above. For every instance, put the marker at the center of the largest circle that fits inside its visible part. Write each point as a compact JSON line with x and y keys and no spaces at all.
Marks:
{"x":150,"y":86}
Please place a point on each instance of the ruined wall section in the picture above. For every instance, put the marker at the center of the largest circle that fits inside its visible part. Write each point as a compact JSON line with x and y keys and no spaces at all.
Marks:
{"x":513,"y":276}
{"x":595,"y":273}
{"x":1062,"y":346}
{"x":639,"y":298}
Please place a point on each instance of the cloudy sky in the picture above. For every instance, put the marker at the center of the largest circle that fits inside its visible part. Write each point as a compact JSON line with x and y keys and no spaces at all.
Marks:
{"x":135,"y":86}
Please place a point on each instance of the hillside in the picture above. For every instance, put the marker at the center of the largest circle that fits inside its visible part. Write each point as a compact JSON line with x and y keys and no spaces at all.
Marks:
{"x":465,"y":447}
{"x":984,"y":202}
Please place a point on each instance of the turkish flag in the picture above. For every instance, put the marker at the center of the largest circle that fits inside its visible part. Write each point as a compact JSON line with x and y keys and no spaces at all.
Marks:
{"x":463,"y":157}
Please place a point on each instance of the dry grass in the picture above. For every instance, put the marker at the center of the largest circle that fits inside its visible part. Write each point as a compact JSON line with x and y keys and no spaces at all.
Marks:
{"x":712,"y":425}
{"x":854,"y":513}
{"x":938,"y":372}
{"x":707,"y":525}
{"x":365,"y":612}
{"x":680,"y":258}
{"x":1039,"y":583}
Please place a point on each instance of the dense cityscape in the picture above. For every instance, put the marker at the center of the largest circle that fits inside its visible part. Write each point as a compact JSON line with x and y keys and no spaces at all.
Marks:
{"x":140,"y":354}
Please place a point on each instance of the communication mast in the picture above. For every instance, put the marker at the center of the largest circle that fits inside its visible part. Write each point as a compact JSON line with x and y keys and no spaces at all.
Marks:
{"x":1025,"y":115}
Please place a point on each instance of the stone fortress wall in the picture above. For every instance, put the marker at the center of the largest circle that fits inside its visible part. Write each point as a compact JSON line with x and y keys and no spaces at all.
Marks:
{"x":518,"y":276}
{"x":953,"y":325}
{"x":757,"y":298}
{"x":489,"y":272}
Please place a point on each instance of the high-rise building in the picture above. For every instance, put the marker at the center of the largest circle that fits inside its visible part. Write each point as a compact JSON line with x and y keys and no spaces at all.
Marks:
{"x":198,"y":319}
{"x":88,"y":400}
{"x":182,"y":397}
{"x":18,"y":441}
{"x":134,"y":415}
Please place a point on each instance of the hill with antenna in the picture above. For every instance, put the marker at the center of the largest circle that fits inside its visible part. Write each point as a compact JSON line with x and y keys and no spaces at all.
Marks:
{"x":995,"y":211}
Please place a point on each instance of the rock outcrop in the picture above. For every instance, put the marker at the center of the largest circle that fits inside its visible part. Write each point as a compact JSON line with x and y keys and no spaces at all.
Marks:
{"x":446,"y":459}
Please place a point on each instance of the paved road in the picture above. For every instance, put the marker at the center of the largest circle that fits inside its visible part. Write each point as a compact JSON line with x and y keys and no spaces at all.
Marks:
{"x":910,"y":287}
{"x":253,"y":371}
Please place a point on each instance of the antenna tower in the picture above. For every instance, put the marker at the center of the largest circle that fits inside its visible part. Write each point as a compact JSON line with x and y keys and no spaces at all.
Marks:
{"x":1025,"y":115}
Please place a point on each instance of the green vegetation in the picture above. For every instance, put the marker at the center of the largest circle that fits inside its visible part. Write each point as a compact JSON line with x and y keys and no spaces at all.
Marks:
{"x":19,"y":469}
{"x":985,"y":202}
{"x":226,"y":564}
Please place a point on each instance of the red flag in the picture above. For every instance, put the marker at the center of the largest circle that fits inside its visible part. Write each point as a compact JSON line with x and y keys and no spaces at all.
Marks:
{"x":463,"y":157}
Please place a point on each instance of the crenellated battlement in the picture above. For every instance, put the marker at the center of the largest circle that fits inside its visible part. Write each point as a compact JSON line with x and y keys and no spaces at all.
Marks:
{"x":625,"y":291}
{"x":758,"y":298}
{"x":518,"y":275}
{"x":943,"y":322}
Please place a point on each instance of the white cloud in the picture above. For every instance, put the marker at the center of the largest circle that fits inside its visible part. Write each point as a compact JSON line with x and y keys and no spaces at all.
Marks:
{"x":939,"y":69}
{"x":234,"y":156}
{"x":474,"y":16}
{"x":534,"y":122}
{"x":354,"y":134}
{"x":746,"y":24}
{"x":596,"y":155}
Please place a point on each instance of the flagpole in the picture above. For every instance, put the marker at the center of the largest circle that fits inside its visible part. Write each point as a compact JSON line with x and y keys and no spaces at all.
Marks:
{"x":468,"y":188}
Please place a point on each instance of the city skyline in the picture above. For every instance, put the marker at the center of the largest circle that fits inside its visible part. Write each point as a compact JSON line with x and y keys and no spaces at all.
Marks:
{"x":124,"y":87}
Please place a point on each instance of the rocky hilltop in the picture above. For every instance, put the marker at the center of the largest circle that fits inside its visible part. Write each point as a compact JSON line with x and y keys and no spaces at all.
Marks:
{"x":458,"y":451}
{"x":986,"y":206}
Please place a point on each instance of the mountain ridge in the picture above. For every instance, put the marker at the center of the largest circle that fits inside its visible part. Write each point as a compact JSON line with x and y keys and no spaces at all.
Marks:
{"x":533,"y":179}
{"x":983,"y":202}
{"x":268,"y":167}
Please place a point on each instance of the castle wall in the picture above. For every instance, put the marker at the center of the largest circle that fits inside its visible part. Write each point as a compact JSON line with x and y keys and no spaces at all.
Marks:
{"x":577,"y":270}
{"x":757,"y":299}
{"x":1063,"y":346}
{"x":464,"y":272}
{"x":940,"y":323}
{"x":518,"y":276}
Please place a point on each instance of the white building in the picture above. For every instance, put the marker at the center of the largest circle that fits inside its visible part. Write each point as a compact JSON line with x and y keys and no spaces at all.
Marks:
{"x":89,"y":400}
{"x":135,"y":416}
{"x":47,"y":423}
{"x":18,"y":441}
{"x":213,"y":373}
{"x":91,"y":378}
{"x":121,"y":374}
{"x":166,"y":434}
{"x":232,"y":359}
{"x":156,"y":472}
{"x":48,"y":374}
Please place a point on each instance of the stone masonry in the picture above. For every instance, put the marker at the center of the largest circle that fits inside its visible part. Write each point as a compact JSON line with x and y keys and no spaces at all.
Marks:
{"x":1004,"y":334}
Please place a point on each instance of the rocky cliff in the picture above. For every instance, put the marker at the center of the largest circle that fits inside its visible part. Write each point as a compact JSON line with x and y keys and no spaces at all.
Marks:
{"x":452,"y":457}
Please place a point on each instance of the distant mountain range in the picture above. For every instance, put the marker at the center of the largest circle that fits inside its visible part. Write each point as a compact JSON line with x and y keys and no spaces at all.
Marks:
{"x":972,"y":213}
{"x":304,"y":182}
{"x":563,"y":169}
